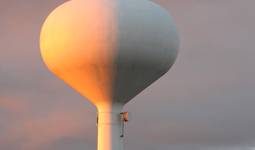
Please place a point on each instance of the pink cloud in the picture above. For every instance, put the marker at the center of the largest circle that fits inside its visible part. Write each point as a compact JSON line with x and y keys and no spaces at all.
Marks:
{"x":13,"y":105}
{"x":35,"y":132}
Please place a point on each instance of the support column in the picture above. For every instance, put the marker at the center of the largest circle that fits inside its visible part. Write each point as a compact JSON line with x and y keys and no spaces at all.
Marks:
{"x":110,"y":129}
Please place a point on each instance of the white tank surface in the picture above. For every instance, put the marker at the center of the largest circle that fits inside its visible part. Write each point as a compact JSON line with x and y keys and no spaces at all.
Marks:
{"x":109,"y":51}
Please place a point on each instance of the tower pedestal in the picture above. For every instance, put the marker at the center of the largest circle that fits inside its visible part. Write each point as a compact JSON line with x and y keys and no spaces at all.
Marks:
{"x":110,"y":128}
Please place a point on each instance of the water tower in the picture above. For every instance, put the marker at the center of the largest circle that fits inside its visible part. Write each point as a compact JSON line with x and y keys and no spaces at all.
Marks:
{"x":109,"y":51}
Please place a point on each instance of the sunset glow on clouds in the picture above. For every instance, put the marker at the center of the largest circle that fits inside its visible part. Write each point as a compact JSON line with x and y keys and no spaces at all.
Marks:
{"x":205,"y":102}
{"x":32,"y":131}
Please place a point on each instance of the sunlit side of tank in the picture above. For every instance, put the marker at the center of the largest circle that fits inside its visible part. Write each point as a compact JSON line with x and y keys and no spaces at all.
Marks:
{"x":78,"y":45}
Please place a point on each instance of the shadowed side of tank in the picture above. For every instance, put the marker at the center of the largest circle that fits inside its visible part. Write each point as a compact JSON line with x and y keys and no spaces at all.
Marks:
{"x":147,"y":47}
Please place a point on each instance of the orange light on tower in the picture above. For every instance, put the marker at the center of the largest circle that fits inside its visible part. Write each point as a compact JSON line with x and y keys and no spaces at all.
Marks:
{"x":109,"y":51}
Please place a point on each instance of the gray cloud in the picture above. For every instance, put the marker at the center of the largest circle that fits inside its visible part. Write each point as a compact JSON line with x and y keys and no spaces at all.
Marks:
{"x":205,"y":102}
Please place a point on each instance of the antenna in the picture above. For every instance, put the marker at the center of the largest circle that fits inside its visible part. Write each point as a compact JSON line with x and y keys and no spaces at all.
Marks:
{"x":109,"y":51}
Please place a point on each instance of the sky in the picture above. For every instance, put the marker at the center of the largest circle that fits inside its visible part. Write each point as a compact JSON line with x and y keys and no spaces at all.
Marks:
{"x":205,"y":102}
